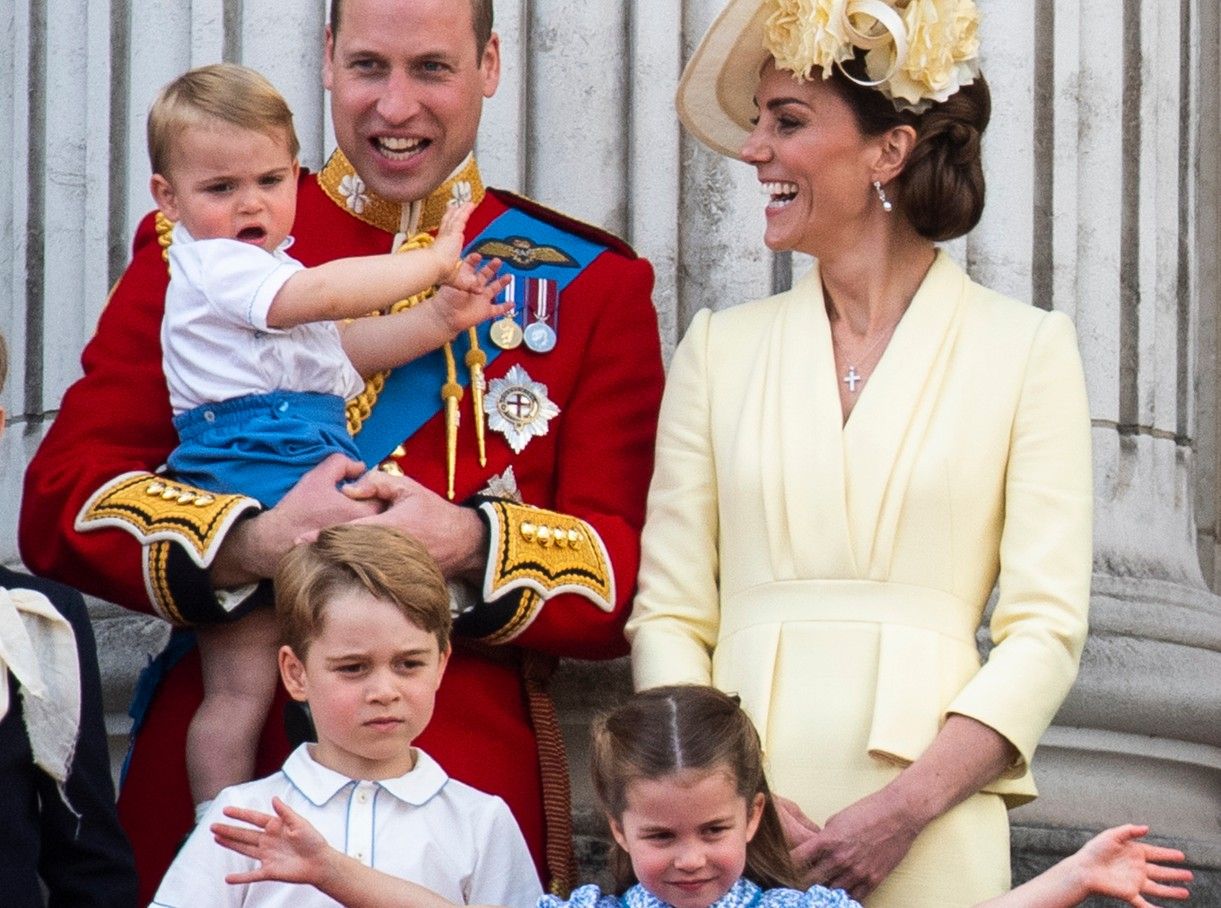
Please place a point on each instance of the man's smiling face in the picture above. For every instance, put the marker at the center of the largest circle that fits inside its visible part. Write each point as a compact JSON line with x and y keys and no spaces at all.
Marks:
{"x":407,"y":85}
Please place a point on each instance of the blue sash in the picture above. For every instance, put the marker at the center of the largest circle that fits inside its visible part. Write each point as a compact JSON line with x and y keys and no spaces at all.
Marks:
{"x":412,"y":393}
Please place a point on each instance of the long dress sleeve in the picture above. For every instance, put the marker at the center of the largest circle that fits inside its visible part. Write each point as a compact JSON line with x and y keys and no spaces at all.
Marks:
{"x":674,"y":624}
{"x":1039,"y":624}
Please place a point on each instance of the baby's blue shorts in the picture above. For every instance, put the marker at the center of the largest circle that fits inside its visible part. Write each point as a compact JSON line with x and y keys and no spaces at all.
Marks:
{"x":261,"y":444}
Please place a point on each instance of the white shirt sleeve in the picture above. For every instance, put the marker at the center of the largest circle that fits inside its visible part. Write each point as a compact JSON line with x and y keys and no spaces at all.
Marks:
{"x":196,"y":878}
{"x":238,"y":279}
{"x":504,"y":873}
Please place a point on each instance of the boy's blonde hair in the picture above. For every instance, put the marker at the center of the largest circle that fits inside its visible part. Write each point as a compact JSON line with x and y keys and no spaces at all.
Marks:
{"x":382,"y":562}
{"x":220,"y":91}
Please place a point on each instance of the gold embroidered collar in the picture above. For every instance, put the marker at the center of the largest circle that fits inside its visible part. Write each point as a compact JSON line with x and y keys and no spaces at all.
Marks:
{"x":339,"y":180}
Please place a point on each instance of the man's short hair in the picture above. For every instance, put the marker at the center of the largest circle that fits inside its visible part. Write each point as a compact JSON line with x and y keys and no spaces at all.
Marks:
{"x":380,"y":561}
{"x":481,"y":17}
{"x":220,"y":91}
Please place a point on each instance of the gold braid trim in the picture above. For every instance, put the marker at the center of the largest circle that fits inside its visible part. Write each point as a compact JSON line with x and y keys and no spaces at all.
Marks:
{"x":153,"y":508}
{"x":360,"y":406}
{"x":165,"y":235}
{"x":553,"y":767}
{"x":344,"y":187}
{"x":157,"y":557}
{"x":451,"y":394}
{"x":527,"y":607}
{"x":546,"y":552}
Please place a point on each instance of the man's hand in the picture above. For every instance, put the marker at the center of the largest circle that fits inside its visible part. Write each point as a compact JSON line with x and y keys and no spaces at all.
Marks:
{"x":453,"y":535}
{"x":254,"y":547}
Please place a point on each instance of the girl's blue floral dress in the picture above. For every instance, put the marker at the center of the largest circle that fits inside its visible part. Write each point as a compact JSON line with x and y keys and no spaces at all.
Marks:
{"x":743,"y":894}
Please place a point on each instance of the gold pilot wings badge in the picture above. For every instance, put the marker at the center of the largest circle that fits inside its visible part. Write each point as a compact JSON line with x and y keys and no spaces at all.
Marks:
{"x":524,"y":254}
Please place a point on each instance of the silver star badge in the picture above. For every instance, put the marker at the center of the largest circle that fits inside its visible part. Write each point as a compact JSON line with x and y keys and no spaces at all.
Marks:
{"x":503,"y":486}
{"x":518,"y":406}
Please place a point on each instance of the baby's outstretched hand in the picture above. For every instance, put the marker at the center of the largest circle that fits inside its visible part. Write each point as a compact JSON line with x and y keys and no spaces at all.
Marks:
{"x":468,"y":296}
{"x":449,"y":242}
{"x":1115,"y":864}
{"x":286,"y":846}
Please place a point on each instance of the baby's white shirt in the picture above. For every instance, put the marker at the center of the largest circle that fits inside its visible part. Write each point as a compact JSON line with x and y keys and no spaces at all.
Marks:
{"x":215,"y":341}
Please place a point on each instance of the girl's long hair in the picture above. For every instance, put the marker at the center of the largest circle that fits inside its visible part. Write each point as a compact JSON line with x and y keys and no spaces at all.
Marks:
{"x":666,"y":730}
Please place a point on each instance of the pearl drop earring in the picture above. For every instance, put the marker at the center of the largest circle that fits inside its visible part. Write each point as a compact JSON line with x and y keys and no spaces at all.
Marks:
{"x":886,"y":204}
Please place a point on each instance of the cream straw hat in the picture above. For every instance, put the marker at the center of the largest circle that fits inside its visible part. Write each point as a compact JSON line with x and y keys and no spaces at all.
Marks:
{"x":918,"y":52}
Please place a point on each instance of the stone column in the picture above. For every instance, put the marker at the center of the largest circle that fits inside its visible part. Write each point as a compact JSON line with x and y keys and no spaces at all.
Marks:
{"x":1117,"y":114}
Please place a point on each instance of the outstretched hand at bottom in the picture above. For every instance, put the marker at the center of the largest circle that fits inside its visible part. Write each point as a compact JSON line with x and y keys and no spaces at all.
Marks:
{"x":1115,"y":864}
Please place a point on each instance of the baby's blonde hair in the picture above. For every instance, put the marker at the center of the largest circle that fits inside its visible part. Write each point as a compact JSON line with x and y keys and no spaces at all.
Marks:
{"x":219,"y":91}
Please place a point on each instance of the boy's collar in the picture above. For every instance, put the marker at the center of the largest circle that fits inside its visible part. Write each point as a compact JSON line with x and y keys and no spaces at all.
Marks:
{"x":319,"y":783}
{"x":340,"y":181}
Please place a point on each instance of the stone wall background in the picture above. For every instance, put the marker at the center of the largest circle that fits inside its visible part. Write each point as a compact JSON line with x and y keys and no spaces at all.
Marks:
{"x":1103,"y":167}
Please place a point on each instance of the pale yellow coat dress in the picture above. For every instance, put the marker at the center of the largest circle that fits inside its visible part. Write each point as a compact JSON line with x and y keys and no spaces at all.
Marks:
{"x":834,"y":575}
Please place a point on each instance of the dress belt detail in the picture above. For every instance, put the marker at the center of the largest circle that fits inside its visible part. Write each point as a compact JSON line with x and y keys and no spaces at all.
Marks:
{"x":877,"y":602}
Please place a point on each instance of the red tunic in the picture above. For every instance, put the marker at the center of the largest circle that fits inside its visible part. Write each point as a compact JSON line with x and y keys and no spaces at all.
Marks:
{"x":593,"y":465}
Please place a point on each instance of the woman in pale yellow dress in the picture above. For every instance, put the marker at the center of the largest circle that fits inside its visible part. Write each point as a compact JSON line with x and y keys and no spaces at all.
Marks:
{"x":846,"y":470}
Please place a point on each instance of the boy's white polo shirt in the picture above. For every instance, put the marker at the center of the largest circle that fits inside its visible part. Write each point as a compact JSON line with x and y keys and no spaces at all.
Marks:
{"x":423,"y":826}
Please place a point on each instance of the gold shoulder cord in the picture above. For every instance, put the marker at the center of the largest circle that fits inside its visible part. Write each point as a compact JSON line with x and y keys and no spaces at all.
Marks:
{"x":165,"y":235}
{"x":359,"y":407}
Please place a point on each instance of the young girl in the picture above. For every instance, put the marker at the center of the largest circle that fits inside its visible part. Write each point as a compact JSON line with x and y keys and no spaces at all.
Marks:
{"x":679,"y":773}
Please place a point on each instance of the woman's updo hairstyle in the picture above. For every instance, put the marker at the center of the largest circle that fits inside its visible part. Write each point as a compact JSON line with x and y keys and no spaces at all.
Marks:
{"x":941,"y":189}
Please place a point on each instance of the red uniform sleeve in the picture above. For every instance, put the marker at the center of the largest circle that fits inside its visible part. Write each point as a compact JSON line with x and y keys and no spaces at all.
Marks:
{"x":92,"y":515}
{"x":603,"y":460}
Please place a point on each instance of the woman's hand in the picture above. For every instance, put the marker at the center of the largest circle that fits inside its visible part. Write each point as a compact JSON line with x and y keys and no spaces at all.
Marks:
{"x":798,"y":828}
{"x":858,"y":847}
{"x":1114,"y":864}
{"x":286,"y":846}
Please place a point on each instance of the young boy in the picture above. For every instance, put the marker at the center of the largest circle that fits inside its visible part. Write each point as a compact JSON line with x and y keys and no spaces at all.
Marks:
{"x":364,"y":615}
{"x":257,"y":368}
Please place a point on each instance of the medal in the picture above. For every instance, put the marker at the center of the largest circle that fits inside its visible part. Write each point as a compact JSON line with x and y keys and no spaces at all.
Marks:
{"x":505,"y":332}
{"x":542,"y":298}
{"x":539,"y":337}
{"x":518,"y":407}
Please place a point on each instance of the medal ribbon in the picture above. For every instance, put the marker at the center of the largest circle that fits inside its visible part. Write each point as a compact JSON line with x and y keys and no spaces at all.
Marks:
{"x":409,"y":398}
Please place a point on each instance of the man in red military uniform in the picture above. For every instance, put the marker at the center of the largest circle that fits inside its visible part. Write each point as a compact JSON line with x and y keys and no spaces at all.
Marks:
{"x":542,"y":554}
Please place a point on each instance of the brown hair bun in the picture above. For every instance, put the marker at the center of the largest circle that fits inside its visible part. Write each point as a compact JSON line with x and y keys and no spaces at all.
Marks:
{"x":942,"y":186}
{"x":941,"y":189}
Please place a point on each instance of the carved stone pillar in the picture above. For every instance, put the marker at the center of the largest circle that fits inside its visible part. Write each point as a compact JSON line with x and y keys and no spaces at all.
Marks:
{"x":1117,"y":141}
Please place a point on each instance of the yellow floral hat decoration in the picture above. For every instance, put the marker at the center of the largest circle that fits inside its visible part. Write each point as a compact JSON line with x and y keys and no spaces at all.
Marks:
{"x":917,"y":53}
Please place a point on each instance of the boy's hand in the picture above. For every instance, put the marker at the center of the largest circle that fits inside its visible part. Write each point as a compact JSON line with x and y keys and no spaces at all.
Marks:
{"x":286,"y":846}
{"x":449,"y":242}
{"x":466,"y":297}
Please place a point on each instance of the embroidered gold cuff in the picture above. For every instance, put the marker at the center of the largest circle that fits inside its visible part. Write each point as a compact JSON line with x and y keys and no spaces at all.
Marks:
{"x":154,"y":509}
{"x":547,"y":552}
{"x":528,"y":605}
